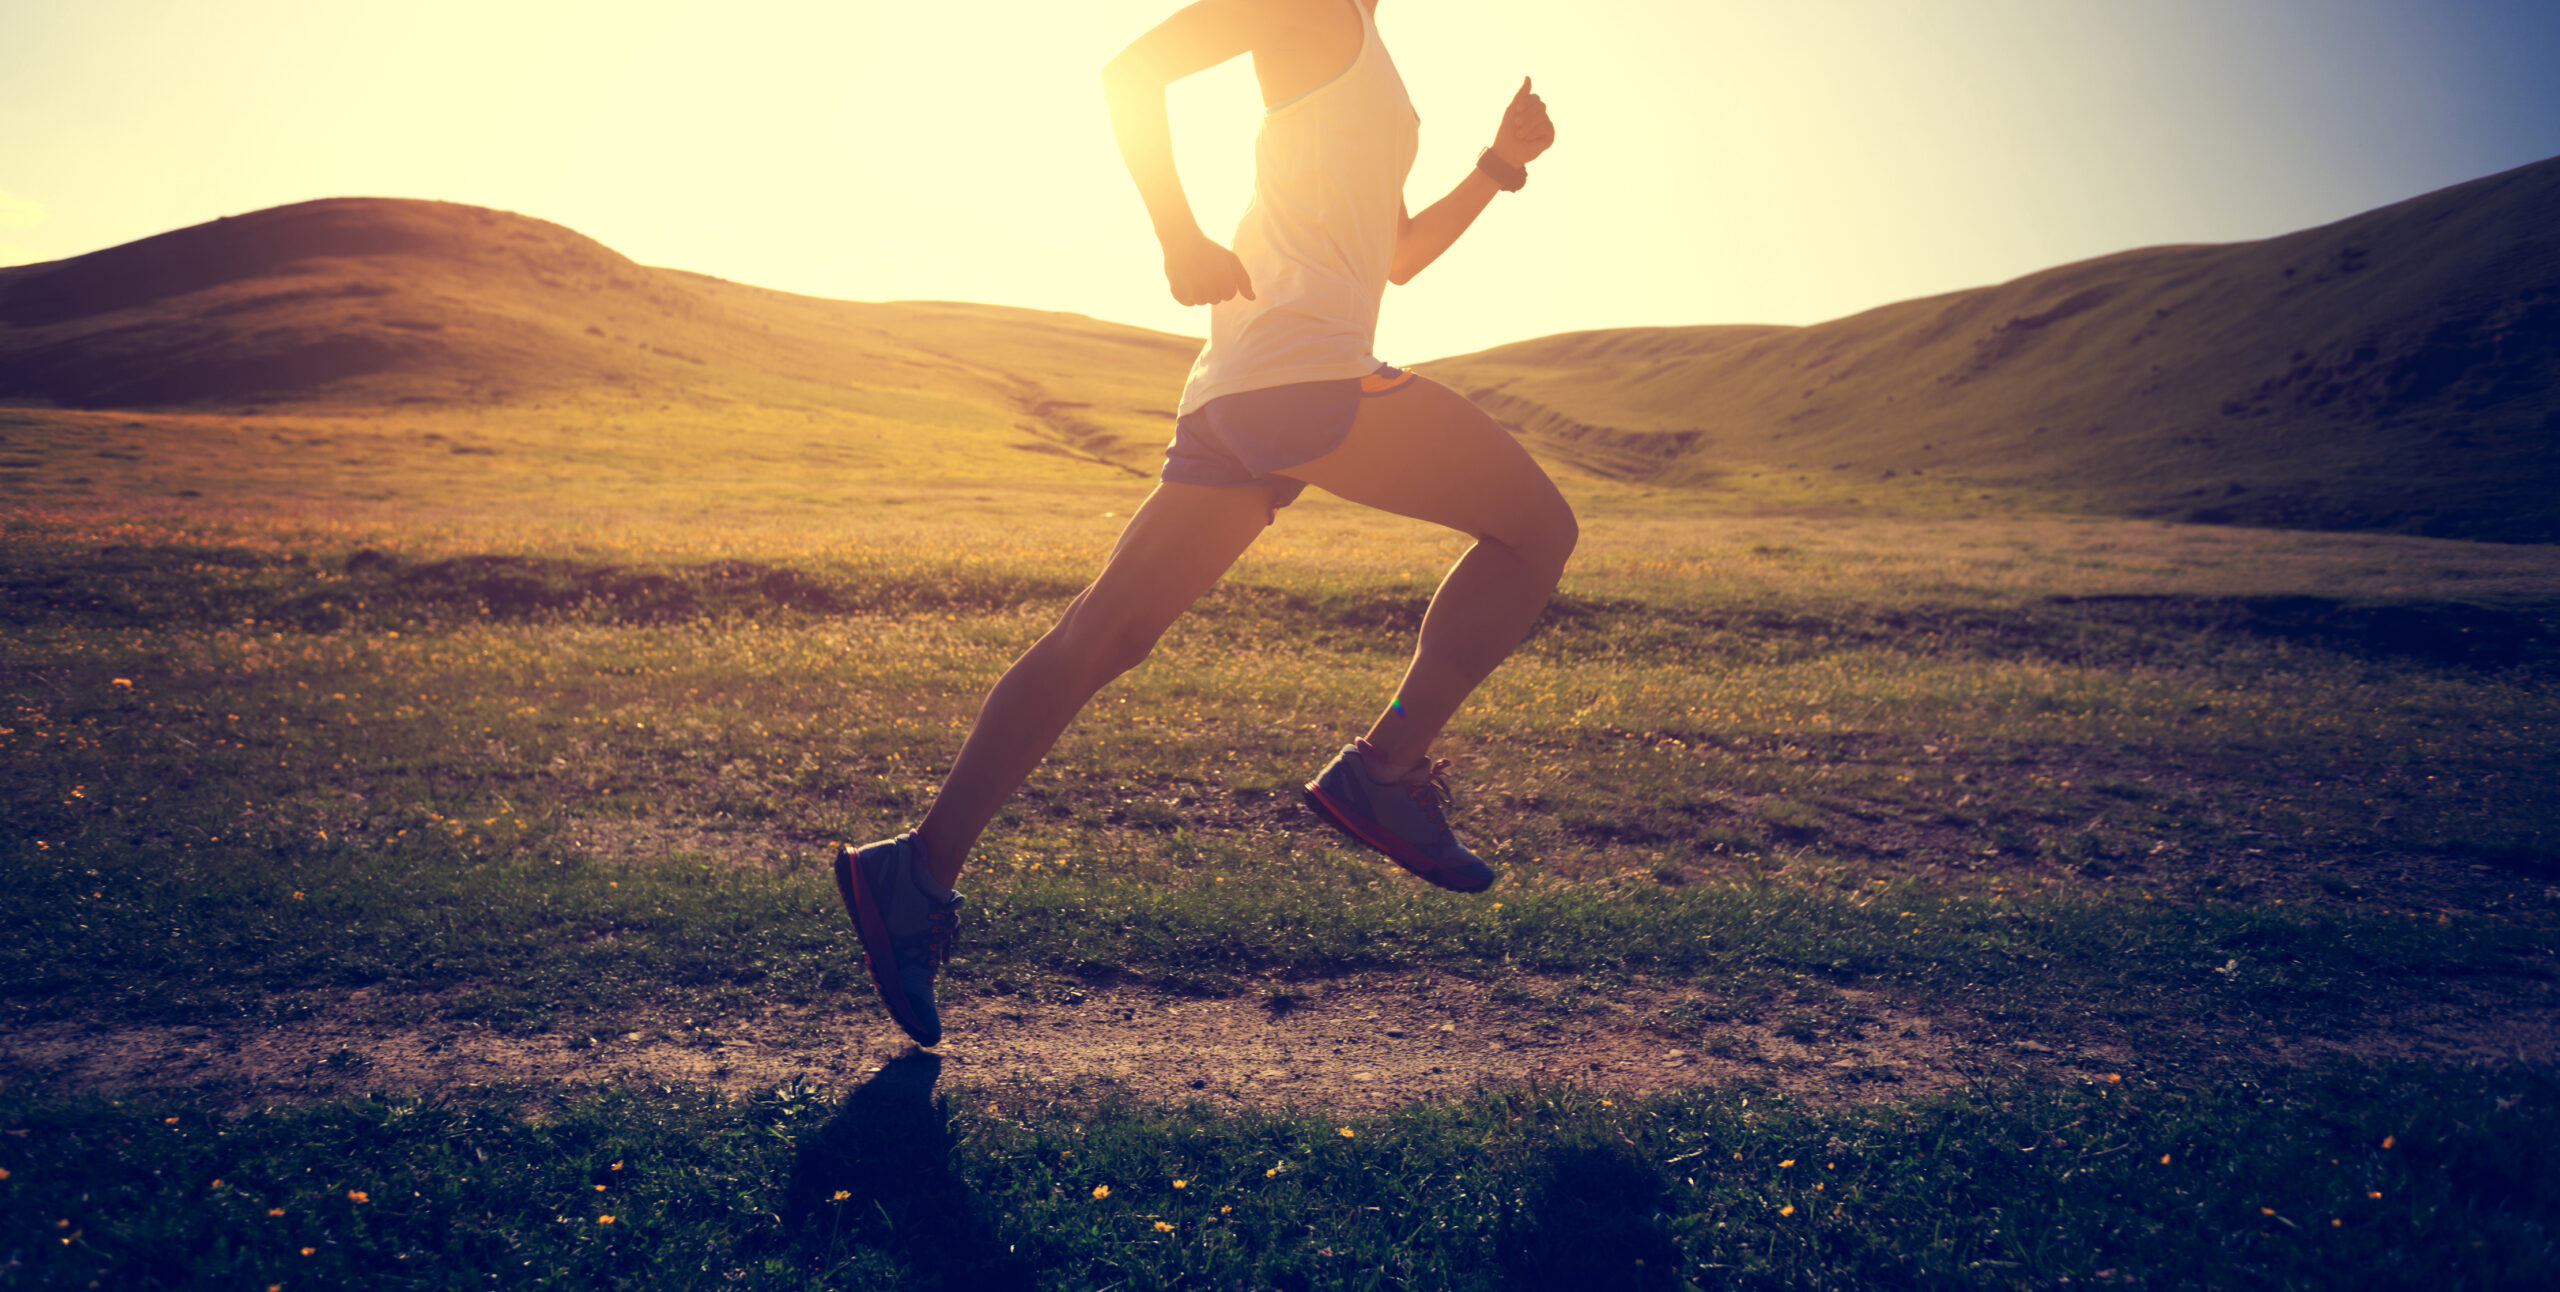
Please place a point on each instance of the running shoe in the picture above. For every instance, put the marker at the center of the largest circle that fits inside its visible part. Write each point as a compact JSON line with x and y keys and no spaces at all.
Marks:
{"x":906,"y":934}
{"x":1404,"y":819}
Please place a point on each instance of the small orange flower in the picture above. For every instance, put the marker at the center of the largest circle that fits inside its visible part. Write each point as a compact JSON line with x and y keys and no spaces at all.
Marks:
{"x":1182,"y":1184}
{"x":1101,"y":1191}
{"x":1787,"y":1210}
{"x":1788,"y":1163}
{"x":842,"y":1194}
{"x":604,"y":1220}
{"x":358,"y":1195}
{"x":309,"y":1250}
{"x":275,"y":1211}
{"x":1345,"y":1132}
{"x":1163,"y":1228}
{"x":2386,"y":1140}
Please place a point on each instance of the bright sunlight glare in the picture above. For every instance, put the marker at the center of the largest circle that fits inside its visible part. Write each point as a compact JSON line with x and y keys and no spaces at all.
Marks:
{"x":1716,"y":162}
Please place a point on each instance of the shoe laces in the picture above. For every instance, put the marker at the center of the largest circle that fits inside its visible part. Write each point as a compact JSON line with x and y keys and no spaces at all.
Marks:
{"x":1429,"y":786}
{"x":942,"y":926}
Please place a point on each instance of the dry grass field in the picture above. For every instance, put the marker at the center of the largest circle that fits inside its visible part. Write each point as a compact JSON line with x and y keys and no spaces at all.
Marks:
{"x":421,"y":761}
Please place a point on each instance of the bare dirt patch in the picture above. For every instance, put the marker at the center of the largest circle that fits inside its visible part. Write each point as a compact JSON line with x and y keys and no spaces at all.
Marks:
{"x":1346,"y":1045}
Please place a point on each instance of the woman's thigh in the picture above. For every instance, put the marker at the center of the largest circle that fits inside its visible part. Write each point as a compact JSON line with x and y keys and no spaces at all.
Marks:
{"x":1426,"y":452}
{"x":1177,"y":545}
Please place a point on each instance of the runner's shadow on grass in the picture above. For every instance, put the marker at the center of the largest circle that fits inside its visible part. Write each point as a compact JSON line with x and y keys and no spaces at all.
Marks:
{"x":881,"y":1175}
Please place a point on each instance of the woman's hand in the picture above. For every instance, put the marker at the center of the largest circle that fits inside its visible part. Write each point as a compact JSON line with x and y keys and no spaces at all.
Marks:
{"x":1525,"y":130}
{"x":1201,"y":272}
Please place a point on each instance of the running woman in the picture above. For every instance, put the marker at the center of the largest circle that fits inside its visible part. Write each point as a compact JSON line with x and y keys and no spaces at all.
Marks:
{"x":1286,"y":394}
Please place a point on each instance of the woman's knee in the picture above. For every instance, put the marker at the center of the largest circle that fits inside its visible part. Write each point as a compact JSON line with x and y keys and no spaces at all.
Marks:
{"x":1543,"y":533}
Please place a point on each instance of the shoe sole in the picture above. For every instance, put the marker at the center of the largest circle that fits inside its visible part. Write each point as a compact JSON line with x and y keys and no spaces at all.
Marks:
{"x":874,"y":932}
{"x":1390,"y":848}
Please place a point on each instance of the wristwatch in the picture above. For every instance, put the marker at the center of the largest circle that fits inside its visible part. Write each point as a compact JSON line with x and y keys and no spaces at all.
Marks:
{"x":1507,"y":177}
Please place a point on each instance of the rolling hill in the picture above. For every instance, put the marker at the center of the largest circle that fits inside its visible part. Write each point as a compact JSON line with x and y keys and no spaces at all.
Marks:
{"x":355,"y":303}
{"x":2398,"y":370}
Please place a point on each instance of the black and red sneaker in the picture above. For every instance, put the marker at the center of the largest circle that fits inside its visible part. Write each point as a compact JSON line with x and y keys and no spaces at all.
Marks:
{"x":906,"y":932}
{"x":1405,"y":819}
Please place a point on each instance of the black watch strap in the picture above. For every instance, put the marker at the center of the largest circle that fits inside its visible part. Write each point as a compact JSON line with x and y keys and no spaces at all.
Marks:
{"x":1506,"y":177}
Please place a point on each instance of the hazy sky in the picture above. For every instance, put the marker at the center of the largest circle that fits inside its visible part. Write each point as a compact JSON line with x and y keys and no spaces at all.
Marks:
{"x":1716,"y":162}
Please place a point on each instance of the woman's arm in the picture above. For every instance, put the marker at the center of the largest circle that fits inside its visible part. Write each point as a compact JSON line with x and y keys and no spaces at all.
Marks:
{"x":1199,"y":271}
{"x":1525,"y":132}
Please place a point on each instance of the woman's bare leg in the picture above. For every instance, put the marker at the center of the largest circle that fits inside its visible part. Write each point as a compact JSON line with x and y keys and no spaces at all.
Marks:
{"x":1177,"y":545}
{"x":1426,"y":452}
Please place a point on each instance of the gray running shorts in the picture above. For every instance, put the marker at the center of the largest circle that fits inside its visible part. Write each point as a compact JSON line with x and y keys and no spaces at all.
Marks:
{"x":1253,"y":437}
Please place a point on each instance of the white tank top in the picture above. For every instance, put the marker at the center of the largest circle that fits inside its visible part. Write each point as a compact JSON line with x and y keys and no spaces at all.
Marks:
{"x":1328,"y":188}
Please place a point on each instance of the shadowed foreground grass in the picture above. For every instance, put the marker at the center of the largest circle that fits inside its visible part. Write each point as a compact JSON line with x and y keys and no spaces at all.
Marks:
{"x":251,"y":937}
{"x":2122,"y":782}
{"x":2371,"y":1179}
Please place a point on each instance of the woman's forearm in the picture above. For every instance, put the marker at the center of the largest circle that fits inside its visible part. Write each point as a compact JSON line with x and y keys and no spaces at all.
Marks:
{"x":1145,"y":136}
{"x":1423,"y":237}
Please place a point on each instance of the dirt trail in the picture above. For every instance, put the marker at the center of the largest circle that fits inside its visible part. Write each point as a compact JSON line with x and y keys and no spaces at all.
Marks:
{"x":1346,"y":1045}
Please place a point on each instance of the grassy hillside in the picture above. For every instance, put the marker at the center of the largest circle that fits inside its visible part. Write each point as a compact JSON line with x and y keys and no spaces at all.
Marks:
{"x":435,"y":310}
{"x":2397,"y":370}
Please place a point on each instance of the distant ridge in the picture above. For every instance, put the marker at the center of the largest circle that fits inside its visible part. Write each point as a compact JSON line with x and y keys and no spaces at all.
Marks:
{"x":288,"y":302}
{"x":376,"y":302}
{"x":2394,"y":370}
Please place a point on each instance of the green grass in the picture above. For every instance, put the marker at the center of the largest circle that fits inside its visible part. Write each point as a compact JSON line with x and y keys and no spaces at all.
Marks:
{"x":239,"y":935}
{"x":2390,"y":1178}
{"x":2038,"y":811}
{"x":2129,"y":785}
